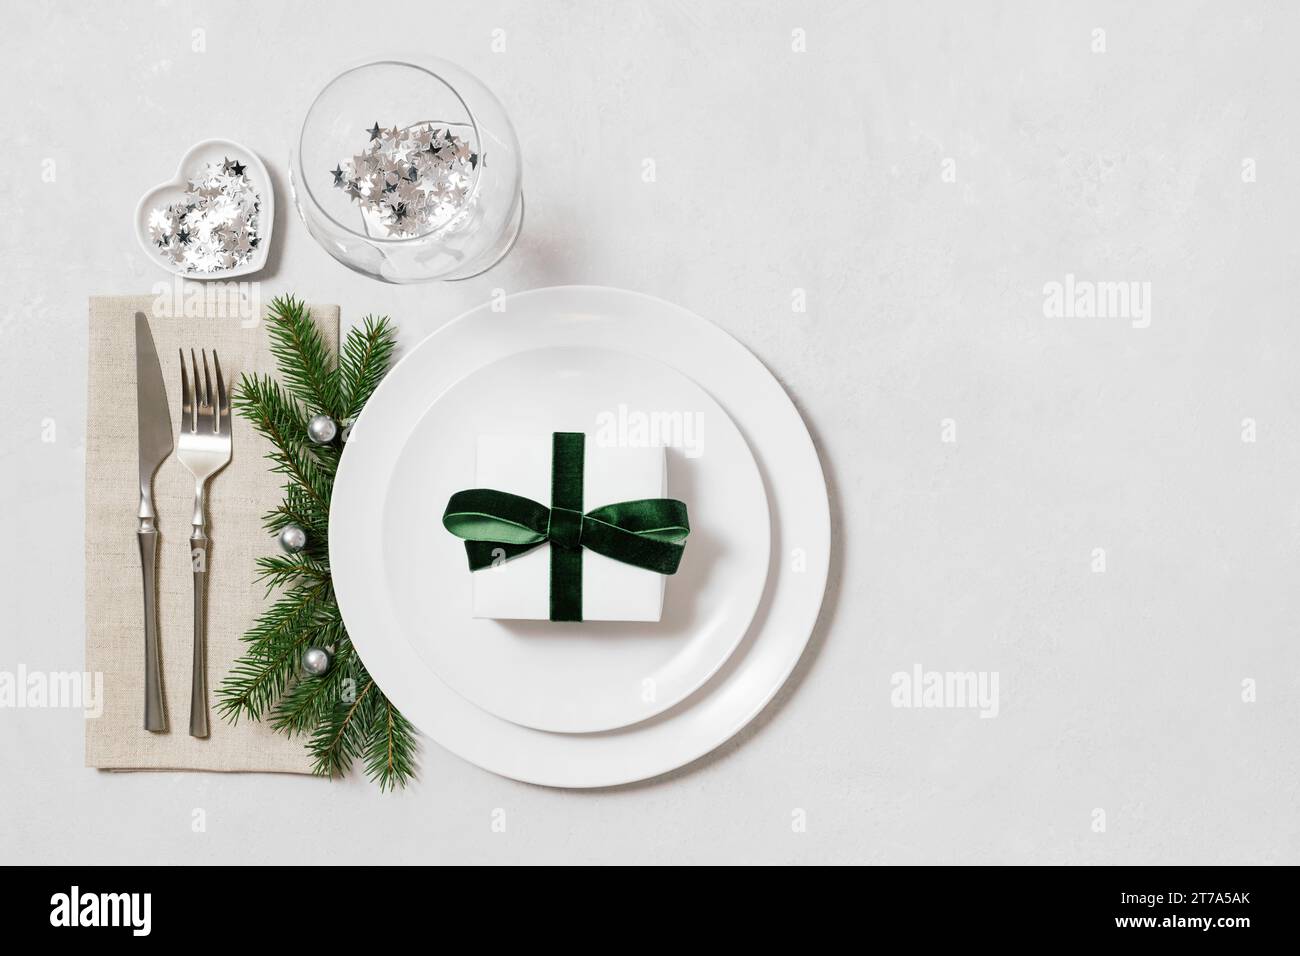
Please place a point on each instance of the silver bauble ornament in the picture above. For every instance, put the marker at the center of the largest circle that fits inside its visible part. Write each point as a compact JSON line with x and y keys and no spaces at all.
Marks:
{"x":315,"y":661}
{"x":292,"y":539}
{"x":322,"y":429}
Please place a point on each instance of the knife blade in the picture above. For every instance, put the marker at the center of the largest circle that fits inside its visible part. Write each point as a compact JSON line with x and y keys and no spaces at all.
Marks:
{"x":154,"y":429}
{"x":154,"y":418}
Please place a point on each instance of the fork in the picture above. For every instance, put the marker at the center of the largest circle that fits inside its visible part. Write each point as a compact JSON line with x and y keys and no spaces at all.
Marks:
{"x":204,"y":448}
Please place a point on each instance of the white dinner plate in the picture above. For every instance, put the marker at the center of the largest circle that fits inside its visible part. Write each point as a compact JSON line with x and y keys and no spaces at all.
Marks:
{"x":581,"y":316}
{"x":592,"y":675}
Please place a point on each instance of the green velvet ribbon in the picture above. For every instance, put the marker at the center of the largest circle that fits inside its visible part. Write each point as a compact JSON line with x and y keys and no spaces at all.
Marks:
{"x":648,"y":533}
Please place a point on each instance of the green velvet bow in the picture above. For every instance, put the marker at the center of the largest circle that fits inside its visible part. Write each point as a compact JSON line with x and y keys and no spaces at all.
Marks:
{"x":649,"y":533}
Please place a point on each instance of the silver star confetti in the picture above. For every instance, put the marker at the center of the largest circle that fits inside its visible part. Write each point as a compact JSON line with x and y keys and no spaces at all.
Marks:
{"x":215,"y":227}
{"x":408,"y":181}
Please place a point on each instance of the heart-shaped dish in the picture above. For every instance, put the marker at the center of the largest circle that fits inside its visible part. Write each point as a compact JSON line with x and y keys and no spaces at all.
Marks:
{"x":194,"y":160}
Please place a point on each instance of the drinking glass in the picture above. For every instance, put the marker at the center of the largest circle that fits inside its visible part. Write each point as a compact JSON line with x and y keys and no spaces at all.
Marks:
{"x":480,"y":229}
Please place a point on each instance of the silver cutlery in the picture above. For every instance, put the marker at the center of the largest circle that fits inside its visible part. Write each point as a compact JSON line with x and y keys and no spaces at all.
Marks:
{"x":204,"y":449}
{"x":154,"y":425}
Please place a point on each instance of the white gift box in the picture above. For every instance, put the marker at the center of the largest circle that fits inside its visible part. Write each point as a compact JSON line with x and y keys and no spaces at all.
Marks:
{"x":611,"y":590}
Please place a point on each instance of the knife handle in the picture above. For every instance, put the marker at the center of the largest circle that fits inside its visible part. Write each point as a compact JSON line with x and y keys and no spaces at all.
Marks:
{"x":155,"y":715}
{"x":199,"y":672}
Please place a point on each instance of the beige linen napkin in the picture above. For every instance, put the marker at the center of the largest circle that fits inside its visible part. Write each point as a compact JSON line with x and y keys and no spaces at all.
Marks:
{"x":237,"y":499}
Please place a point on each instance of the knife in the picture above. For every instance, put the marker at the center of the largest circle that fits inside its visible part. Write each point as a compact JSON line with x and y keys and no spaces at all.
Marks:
{"x":155,"y":431}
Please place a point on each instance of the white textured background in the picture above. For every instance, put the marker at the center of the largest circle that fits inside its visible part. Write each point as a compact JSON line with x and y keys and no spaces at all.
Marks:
{"x":778,"y":170}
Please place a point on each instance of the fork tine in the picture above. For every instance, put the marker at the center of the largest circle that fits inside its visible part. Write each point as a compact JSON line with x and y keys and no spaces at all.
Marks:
{"x":223,"y":406}
{"x":198,"y":392}
{"x":187,"y":401}
{"x":207,"y":418}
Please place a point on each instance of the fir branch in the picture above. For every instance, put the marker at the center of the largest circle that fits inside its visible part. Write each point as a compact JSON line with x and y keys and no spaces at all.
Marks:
{"x":274,"y":412}
{"x":300,"y":508}
{"x":258,"y":678}
{"x":340,"y":738}
{"x":302,"y":356}
{"x":363,"y":362}
{"x":265,"y":683}
{"x":390,"y":753}
{"x":279,"y":571}
{"x":308,"y":702}
{"x":279,"y":419}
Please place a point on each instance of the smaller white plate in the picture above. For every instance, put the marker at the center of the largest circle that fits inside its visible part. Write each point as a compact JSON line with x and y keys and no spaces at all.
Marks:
{"x":198,"y":156}
{"x":593,"y":675}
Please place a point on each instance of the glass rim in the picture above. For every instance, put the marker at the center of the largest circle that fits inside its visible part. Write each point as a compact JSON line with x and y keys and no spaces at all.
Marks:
{"x":306,"y":181}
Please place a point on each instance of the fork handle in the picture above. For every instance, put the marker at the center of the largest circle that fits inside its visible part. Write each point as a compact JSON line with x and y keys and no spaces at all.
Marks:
{"x":155,"y":716}
{"x":199,"y":673}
